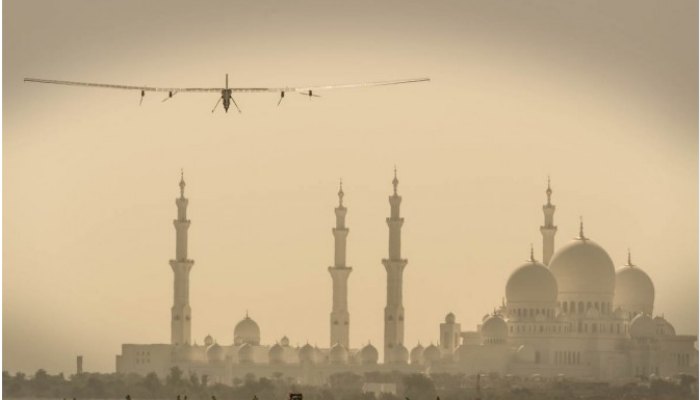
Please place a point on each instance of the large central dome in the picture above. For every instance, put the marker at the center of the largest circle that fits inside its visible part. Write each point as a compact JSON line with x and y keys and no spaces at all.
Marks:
{"x":583,"y":267}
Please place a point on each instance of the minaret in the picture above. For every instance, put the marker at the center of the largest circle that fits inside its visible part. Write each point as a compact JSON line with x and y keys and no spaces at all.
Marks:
{"x":180,"y":324}
{"x":548,"y":230}
{"x":340,"y":317}
{"x":393,"y":312}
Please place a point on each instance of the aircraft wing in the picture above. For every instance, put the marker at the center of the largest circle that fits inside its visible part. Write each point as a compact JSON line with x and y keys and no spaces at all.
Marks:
{"x":306,"y":89}
{"x":300,"y":89}
{"x":125,"y":87}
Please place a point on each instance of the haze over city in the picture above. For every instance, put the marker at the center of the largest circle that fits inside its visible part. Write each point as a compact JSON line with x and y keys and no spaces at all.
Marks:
{"x":601,"y":97}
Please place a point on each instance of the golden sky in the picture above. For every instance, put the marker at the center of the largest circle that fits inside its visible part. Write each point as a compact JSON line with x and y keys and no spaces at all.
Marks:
{"x":600,"y":95}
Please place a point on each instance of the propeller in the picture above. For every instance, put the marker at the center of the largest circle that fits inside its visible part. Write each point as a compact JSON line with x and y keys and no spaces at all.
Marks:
{"x":143,"y":93}
{"x":217,"y":104}
{"x":281,"y":97}
{"x":170,"y":96}
{"x":309,"y":93}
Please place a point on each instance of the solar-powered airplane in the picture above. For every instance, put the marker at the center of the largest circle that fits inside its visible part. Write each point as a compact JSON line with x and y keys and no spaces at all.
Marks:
{"x":227,"y":92}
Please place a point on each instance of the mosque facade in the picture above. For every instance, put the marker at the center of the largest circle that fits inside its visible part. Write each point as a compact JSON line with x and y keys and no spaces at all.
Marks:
{"x":572,"y":315}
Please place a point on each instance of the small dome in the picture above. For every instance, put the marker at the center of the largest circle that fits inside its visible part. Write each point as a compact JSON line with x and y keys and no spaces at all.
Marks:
{"x":450,"y":318}
{"x":583,"y":267}
{"x":276,"y":354}
{"x":245,"y":354}
{"x":532,"y":282}
{"x":494,"y":330}
{"x":307,"y":354}
{"x":400,"y":354}
{"x":369,"y":355}
{"x":338,"y":354}
{"x":215,"y":353}
{"x":417,"y":355}
{"x":246,"y":331}
{"x":642,"y":326}
{"x":634,"y":290}
{"x":284,"y":341}
{"x":431,"y":354}
{"x":663,"y":327}
{"x":525,"y":354}
{"x":208,"y":341}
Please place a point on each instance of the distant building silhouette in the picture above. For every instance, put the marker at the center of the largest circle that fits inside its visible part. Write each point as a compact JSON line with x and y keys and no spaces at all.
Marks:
{"x":572,"y":315}
{"x":79,"y":365}
{"x":394,"y":350}
{"x":340,"y":316}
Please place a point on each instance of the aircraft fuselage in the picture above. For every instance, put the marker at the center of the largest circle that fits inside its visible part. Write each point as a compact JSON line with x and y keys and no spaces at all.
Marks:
{"x":226,"y":97}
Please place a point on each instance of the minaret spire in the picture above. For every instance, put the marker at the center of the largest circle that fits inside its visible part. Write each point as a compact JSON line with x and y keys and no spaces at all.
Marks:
{"x":581,"y":236}
{"x":340,"y":193}
{"x":395,"y":182}
{"x":180,"y":323}
{"x":182,"y":182}
{"x":548,"y":230}
{"x":340,"y":316}
{"x":394,"y":265}
{"x":629,"y":259}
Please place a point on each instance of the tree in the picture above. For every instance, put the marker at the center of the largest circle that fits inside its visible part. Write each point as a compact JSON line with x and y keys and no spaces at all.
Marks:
{"x":175,"y":377}
{"x":419,"y":386}
{"x":346,"y":385}
{"x":194,"y":381}
{"x":174,"y":382}
{"x":96,"y":387}
{"x":152,"y":384}
{"x":249,"y":377}
{"x":40,"y":382}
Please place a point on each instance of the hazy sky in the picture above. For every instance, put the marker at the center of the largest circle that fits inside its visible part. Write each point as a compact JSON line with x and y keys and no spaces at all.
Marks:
{"x":602,"y":95}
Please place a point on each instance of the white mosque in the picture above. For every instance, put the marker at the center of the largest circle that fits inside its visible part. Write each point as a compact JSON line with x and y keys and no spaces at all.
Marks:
{"x":571,"y":315}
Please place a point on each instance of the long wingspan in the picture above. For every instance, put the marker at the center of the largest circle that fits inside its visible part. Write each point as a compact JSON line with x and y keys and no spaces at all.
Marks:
{"x":328,"y":87}
{"x":233,"y":89}
{"x":125,"y":87}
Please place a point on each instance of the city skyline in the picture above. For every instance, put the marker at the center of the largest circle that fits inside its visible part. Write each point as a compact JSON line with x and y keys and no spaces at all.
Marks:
{"x":601,"y":98}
